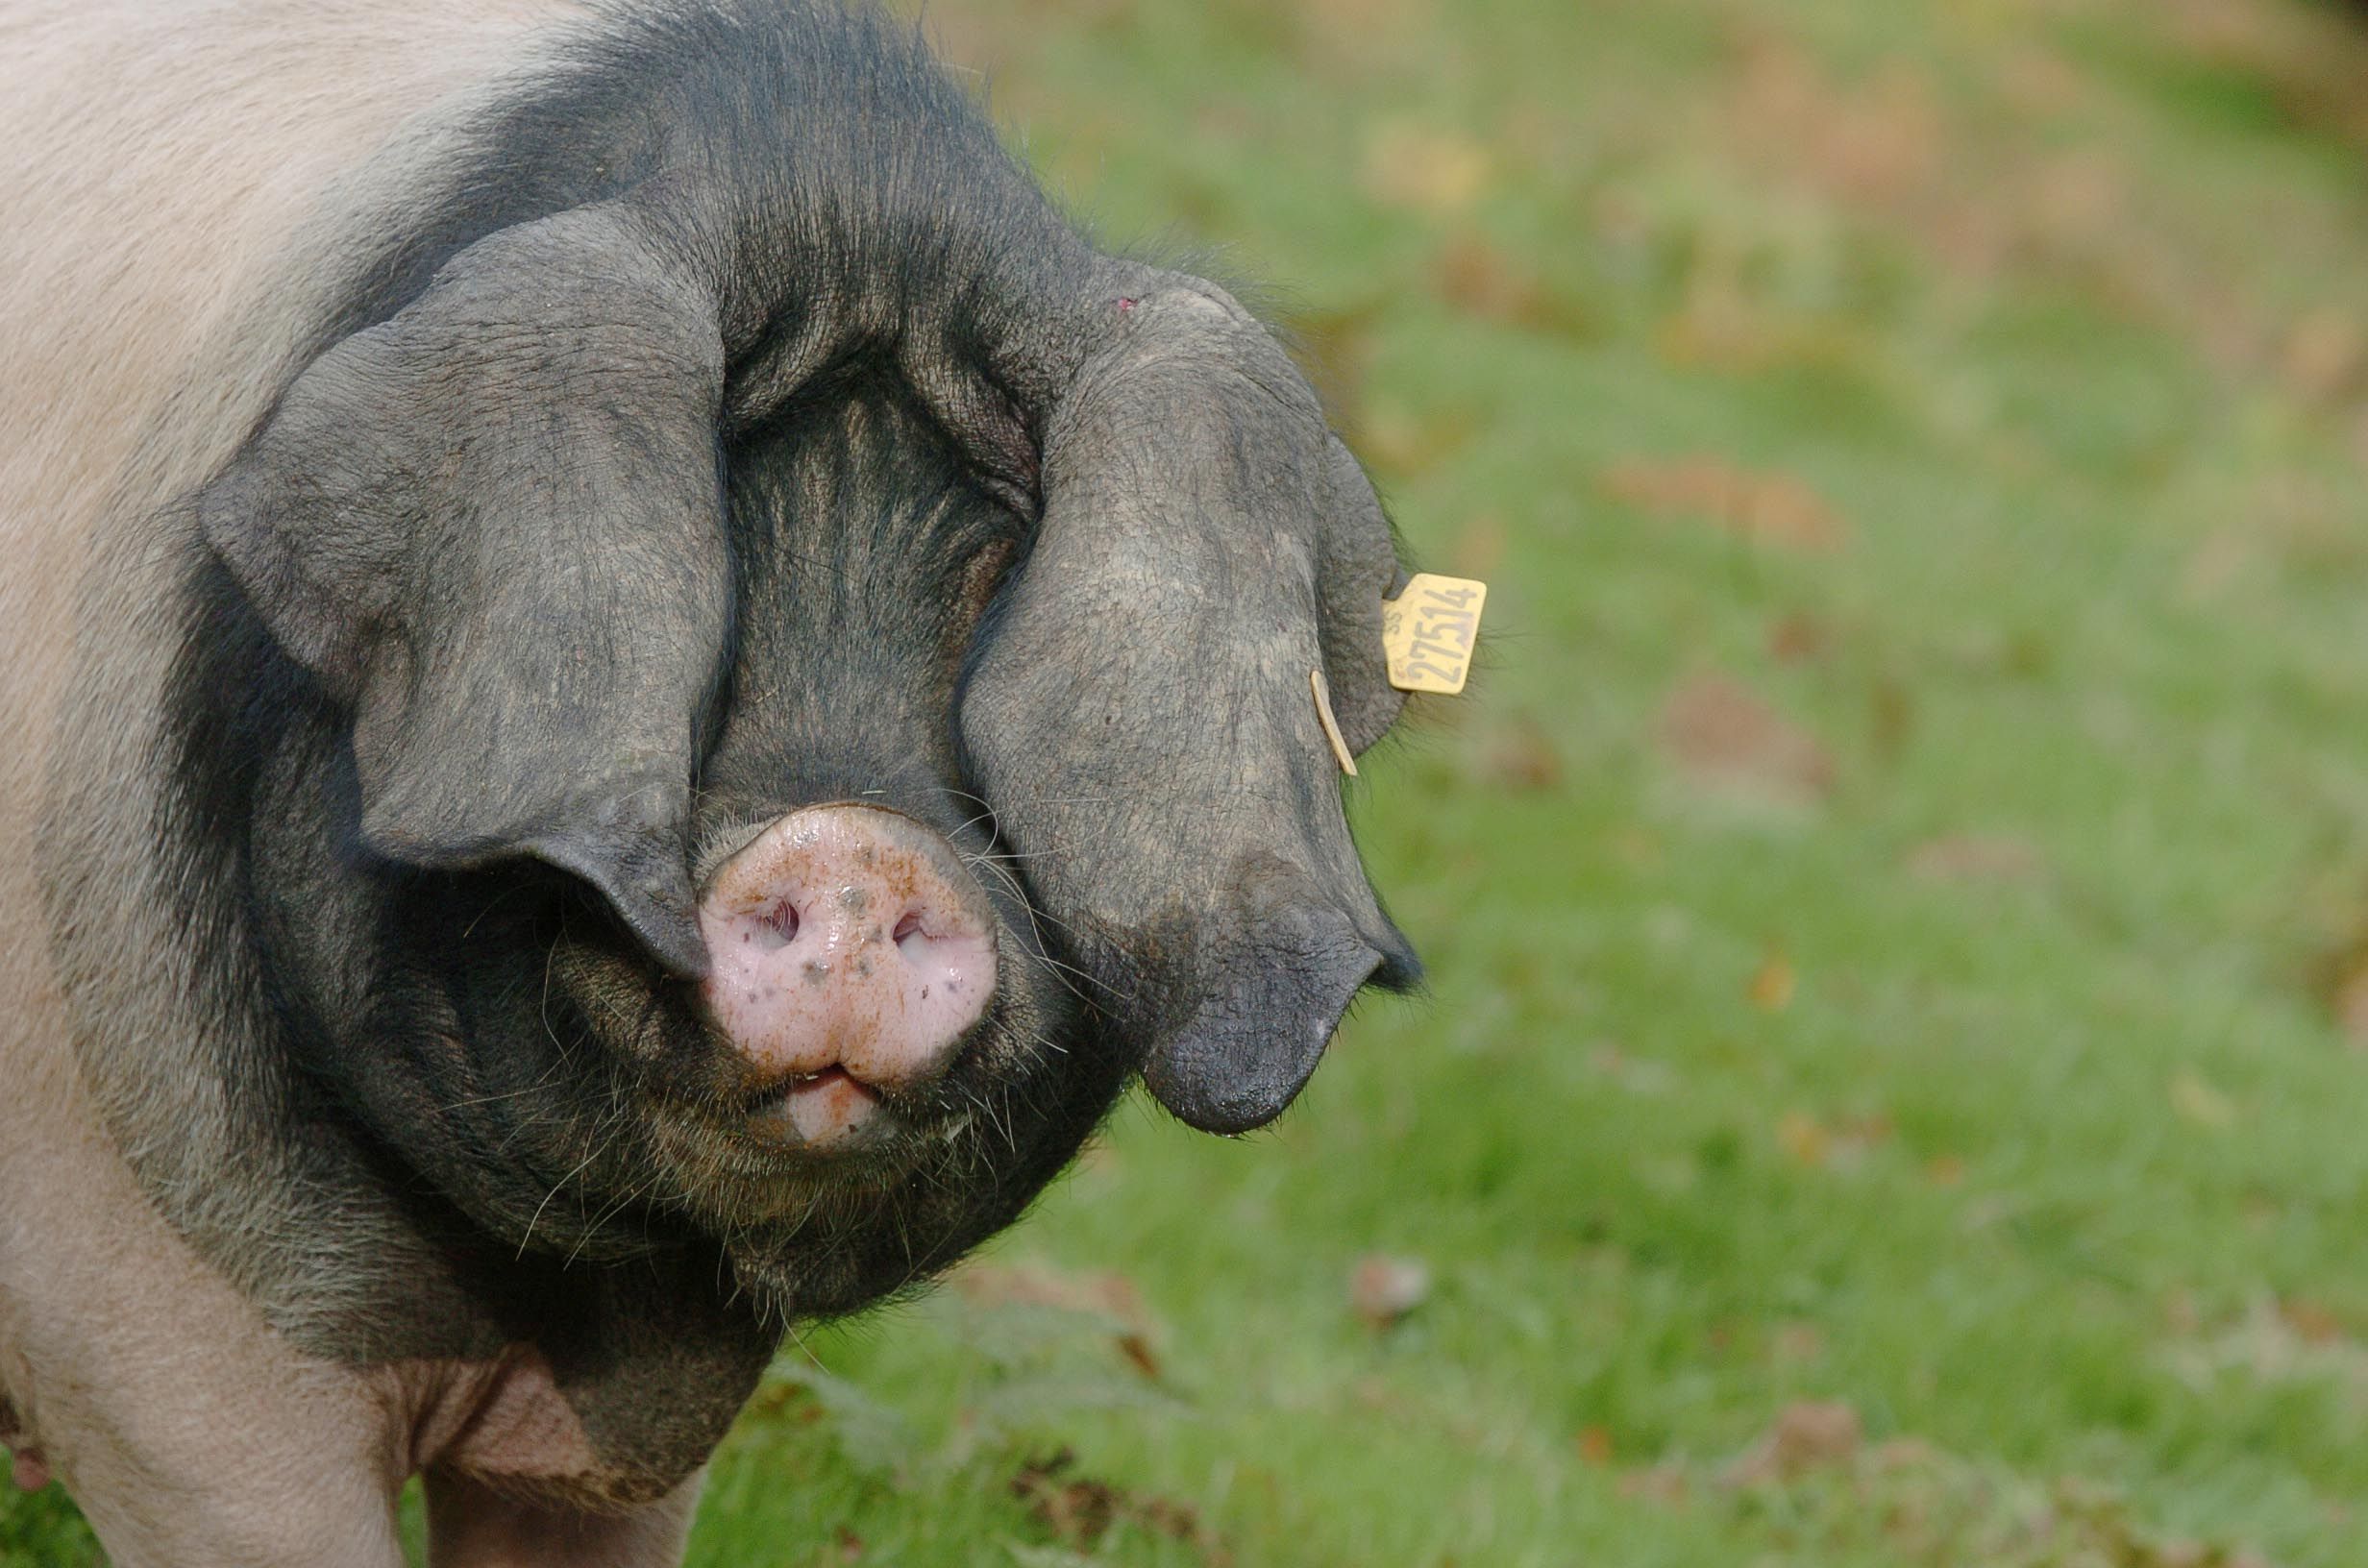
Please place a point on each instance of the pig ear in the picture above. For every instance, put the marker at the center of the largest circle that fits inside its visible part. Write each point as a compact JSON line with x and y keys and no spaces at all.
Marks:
{"x":1140,"y":713}
{"x":492,"y":524}
{"x":1356,"y":568}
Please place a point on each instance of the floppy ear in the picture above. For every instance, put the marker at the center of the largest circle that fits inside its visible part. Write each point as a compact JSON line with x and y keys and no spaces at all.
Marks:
{"x":493,"y":526}
{"x":1356,"y":568}
{"x":1139,"y":710}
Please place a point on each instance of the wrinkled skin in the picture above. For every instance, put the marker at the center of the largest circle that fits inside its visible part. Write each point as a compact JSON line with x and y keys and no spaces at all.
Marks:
{"x":693,"y":449}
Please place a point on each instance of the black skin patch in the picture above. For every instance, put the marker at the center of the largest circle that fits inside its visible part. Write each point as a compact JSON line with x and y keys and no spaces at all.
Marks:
{"x":832,"y":566}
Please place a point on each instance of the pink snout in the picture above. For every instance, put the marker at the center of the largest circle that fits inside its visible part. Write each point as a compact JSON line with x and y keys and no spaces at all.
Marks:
{"x":852,"y":953}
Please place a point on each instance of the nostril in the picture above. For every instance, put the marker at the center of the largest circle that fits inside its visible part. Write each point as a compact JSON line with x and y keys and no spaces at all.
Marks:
{"x":777,"y":926}
{"x":910,"y":939}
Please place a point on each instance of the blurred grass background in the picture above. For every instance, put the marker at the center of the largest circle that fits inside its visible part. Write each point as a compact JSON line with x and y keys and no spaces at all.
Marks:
{"x":1896,"y":1088}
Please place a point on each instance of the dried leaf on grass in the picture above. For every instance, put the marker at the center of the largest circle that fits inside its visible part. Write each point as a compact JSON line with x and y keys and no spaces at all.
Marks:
{"x":1080,"y":1510}
{"x":1667,"y":1485}
{"x":2276,"y":1341}
{"x":2325,"y":356}
{"x":1976,"y":857}
{"x":1722,"y":736}
{"x":1522,"y":758}
{"x":1802,"y":1138}
{"x":1111,"y":1297}
{"x":1891,"y":717}
{"x":1771,"y":988}
{"x":1805,"y":1434}
{"x":2339,"y":974}
{"x":1427,"y":169}
{"x":1842,"y":1145}
{"x":1766,"y":508}
{"x":1908,"y":1502}
{"x":1356,"y":38}
{"x":2349,"y":1003}
{"x":2313,"y":1322}
{"x":873,"y":1436}
{"x":1479,"y":546}
{"x":1034,"y":1284}
{"x":1875,"y":142}
{"x":1799,"y":639}
{"x":1385,"y":1289}
{"x":1483,"y":282}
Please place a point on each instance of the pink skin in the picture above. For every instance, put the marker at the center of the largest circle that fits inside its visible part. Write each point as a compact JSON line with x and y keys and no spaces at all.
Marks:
{"x":851,"y":952}
{"x":29,"y":1468}
{"x":26,"y":1462}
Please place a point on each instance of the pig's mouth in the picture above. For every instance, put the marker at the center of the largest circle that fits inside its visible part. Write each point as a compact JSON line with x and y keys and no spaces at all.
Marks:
{"x":818,"y":1107}
{"x":765,"y":1146}
{"x":834,"y":1108}
{"x":815,"y":1110}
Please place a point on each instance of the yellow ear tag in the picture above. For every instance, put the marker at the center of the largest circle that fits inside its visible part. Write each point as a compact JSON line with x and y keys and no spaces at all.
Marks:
{"x":1427,"y":632}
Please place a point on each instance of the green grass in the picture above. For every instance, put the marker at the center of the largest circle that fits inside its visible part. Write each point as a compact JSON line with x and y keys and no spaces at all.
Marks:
{"x":1965,"y":1055}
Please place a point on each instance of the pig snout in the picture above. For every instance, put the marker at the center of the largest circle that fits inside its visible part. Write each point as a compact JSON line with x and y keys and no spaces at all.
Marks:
{"x":852,"y":953}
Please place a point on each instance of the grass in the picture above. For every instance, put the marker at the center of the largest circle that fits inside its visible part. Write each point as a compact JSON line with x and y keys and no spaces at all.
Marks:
{"x":1895,"y":901}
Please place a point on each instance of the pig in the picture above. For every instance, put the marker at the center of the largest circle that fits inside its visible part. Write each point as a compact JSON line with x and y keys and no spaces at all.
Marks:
{"x":635,"y":686}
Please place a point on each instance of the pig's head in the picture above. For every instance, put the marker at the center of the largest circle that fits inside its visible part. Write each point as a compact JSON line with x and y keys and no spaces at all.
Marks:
{"x":779,"y":773}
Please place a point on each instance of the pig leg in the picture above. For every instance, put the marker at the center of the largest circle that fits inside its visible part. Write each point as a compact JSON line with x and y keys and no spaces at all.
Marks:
{"x":191,"y":1435}
{"x":278,"y":1527}
{"x":472,"y":1525}
{"x":205,"y":1470}
{"x":192,"y":1452}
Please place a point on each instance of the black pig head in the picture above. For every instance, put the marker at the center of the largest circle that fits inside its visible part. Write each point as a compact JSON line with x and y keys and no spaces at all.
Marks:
{"x":1139,"y":709}
{"x":493,"y":524}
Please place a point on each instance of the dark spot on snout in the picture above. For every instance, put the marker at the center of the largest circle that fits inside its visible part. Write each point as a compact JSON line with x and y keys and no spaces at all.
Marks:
{"x":816,"y":973}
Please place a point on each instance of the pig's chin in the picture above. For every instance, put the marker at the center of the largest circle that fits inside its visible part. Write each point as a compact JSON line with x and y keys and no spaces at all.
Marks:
{"x":823,"y":1228}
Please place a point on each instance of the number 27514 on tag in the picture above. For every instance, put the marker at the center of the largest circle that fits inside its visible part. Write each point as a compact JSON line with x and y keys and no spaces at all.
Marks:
{"x":1428,"y":631}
